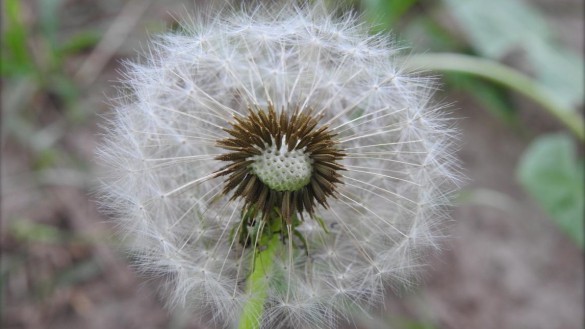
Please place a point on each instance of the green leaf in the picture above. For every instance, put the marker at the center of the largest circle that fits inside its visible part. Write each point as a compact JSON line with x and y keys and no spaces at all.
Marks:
{"x":560,"y":72}
{"x":497,"y":28}
{"x":424,"y":33}
{"x":493,"y":97}
{"x":16,"y":58}
{"x":80,"y":42}
{"x":49,"y":20}
{"x":49,"y":28}
{"x":26,"y":230}
{"x":384,"y":14}
{"x":551,"y":174}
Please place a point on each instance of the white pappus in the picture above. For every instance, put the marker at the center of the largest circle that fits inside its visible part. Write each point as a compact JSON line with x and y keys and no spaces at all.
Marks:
{"x":168,"y":141}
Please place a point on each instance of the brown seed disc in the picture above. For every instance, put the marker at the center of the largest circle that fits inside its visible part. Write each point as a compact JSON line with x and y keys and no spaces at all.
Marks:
{"x":296,"y":132}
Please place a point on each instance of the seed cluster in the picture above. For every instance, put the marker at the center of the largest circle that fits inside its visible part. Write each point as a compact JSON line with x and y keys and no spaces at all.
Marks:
{"x":282,"y":170}
{"x":265,"y":147}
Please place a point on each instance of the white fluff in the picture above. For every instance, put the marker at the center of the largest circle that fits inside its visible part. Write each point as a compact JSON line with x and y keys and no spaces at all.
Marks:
{"x":159,"y":153}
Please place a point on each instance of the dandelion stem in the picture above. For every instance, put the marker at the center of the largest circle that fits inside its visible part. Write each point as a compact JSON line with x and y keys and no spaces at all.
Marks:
{"x":257,"y":284}
{"x":505,"y":76}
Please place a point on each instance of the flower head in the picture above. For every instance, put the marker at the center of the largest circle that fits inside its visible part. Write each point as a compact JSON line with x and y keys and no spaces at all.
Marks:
{"x":280,"y":160}
{"x":290,"y":120}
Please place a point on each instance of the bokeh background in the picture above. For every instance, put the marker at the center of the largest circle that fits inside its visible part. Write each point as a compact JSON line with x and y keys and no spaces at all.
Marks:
{"x":514,"y":258}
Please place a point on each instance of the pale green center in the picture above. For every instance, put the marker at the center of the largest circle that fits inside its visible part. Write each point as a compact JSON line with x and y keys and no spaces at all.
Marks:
{"x":282,"y":170}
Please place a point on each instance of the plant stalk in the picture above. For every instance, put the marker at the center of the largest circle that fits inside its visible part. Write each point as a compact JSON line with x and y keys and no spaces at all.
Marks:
{"x":257,"y":285}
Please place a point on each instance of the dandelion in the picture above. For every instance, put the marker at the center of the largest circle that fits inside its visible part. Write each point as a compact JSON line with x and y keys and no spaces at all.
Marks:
{"x":277,"y":168}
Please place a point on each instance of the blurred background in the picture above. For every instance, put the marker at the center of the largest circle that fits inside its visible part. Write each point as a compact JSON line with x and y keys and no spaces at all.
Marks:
{"x":513,"y":71}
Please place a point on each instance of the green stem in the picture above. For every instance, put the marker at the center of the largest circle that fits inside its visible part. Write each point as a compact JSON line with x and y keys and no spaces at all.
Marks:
{"x":505,"y":76}
{"x":256,"y":286}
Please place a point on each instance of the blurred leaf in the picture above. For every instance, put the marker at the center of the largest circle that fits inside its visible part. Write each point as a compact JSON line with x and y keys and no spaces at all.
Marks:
{"x":384,"y":14}
{"x":424,"y":33}
{"x":45,"y":158}
{"x":502,"y":75}
{"x":495,"y":98}
{"x":26,"y":230}
{"x":80,"y":42}
{"x":49,"y":20}
{"x":550,"y":173}
{"x":15,"y":54}
{"x":498,"y":27}
{"x":49,"y":24}
{"x":560,"y":71}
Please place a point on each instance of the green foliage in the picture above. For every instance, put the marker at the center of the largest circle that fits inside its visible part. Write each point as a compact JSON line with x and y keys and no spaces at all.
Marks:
{"x":494,"y":98}
{"x":497,"y":28}
{"x":79,"y":42}
{"x":40,"y":107}
{"x":28,"y":231}
{"x":426,"y":34}
{"x":47,"y":66}
{"x":550,"y":172}
{"x":42,"y":97}
{"x":16,"y":58}
{"x":385,"y":14}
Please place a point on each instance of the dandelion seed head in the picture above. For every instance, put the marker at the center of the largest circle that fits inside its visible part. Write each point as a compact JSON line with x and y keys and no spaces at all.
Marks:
{"x":287,"y":108}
